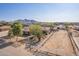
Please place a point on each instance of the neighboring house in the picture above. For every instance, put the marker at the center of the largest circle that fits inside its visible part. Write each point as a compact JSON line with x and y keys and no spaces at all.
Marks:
{"x":60,"y":26}
{"x":26,"y":31}
{"x":76,"y":28}
{"x":46,"y":30}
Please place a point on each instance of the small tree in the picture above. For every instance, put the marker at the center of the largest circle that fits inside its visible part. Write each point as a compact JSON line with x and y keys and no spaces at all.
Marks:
{"x":10,"y":34}
{"x":16,"y":30}
{"x":51,"y":25}
{"x":36,"y":30}
{"x":66,"y":25}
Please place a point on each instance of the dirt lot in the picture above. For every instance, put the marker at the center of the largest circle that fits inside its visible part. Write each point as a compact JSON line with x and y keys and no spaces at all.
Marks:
{"x":12,"y":51}
{"x":59,"y":44}
{"x":3,"y":33}
{"x":7,"y":49}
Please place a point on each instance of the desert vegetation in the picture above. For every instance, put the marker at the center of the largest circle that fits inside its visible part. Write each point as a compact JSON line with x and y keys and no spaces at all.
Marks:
{"x":43,"y":38}
{"x":15,"y":30}
{"x":36,"y":30}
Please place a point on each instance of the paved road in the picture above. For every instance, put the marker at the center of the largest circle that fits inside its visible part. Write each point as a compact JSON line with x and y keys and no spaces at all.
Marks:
{"x":59,"y":44}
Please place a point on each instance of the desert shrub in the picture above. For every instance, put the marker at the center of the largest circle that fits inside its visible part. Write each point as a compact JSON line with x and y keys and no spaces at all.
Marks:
{"x":36,"y":30}
{"x":16,"y":30}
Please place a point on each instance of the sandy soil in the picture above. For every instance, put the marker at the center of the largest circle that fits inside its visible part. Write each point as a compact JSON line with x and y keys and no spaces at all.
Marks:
{"x":9,"y":50}
{"x":3,"y":33}
{"x":59,"y":44}
{"x":12,"y":51}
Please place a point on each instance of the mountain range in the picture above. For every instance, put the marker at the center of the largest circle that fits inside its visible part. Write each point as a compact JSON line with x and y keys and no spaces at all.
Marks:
{"x":27,"y":21}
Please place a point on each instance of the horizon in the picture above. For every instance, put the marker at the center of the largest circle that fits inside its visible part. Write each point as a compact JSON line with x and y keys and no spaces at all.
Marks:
{"x":43,"y":12}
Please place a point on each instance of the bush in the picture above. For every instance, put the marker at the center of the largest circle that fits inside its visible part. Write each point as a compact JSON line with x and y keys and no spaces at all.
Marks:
{"x":36,"y":30}
{"x":16,"y":30}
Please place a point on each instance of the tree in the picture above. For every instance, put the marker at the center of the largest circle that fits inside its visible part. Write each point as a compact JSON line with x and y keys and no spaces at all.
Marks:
{"x":51,"y":25}
{"x":16,"y":30}
{"x":36,"y":30}
{"x":10,"y":34}
{"x":66,"y":25}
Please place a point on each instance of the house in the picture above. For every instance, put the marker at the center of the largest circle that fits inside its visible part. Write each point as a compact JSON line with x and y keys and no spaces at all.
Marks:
{"x":60,"y":27}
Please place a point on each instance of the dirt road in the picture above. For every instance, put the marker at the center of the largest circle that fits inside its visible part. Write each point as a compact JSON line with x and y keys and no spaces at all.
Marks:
{"x":59,"y":44}
{"x":3,"y":33}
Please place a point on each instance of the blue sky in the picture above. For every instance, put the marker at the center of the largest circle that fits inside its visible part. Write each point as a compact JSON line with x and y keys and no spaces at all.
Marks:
{"x":51,"y":12}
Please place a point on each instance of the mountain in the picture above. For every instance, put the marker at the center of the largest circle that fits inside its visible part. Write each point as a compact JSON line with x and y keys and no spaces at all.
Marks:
{"x":27,"y":21}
